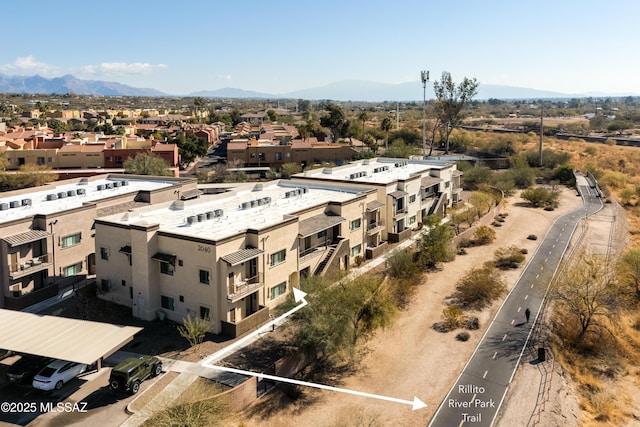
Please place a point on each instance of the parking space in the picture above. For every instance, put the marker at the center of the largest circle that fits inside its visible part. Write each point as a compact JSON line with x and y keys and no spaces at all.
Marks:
{"x":86,"y":397}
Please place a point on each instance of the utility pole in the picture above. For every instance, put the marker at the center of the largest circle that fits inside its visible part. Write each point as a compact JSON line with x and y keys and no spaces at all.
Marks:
{"x":541,"y":134}
{"x":424,"y":76}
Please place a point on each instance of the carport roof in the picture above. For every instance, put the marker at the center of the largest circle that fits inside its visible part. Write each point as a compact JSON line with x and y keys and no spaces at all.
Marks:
{"x":75,"y":340}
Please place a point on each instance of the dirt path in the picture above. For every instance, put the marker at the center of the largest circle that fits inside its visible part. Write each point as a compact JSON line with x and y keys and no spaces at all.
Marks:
{"x":410,"y":358}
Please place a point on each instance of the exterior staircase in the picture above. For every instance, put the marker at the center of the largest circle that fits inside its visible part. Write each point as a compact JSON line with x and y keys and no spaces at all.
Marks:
{"x":320,"y":268}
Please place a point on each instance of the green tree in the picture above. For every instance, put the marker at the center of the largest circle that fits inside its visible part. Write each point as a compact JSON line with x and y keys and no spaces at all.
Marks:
{"x":451,"y":100}
{"x":289,"y":169}
{"x":146,"y":164}
{"x":273,"y":116}
{"x":190,"y":147}
{"x":400,"y":150}
{"x":476,"y":176}
{"x":482,"y":201}
{"x":484,"y":235}
{"x":335,"y":121}
{"x":480,"y":286}
{"x":434,"y":245}
{"x":385,"y":126}
{"x":199,"y":104}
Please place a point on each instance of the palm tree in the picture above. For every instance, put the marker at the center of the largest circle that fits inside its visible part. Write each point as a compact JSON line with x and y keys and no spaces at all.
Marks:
{"x":386,"y":127}
{"x":363,"y":118}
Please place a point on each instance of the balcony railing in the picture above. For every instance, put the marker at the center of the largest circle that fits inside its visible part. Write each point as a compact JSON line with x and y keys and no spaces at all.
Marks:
{"x":375,"y":226}
{"x":30,"y":265}
{"x":244,"y":287}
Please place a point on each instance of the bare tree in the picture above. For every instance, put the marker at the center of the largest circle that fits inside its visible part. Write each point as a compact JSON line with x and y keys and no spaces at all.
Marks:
{"x":585,"y":292}
{"x":450,"y":101}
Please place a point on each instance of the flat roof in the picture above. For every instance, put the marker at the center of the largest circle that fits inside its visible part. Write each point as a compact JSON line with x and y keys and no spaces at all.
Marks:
{"x":377,"y":170}
{"x":74,"y":340}
{"x":238,"y":210}
{"x":38,"y":202}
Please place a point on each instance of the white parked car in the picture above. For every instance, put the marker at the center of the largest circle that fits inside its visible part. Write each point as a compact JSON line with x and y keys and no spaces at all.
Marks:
{"x":55,"y":374}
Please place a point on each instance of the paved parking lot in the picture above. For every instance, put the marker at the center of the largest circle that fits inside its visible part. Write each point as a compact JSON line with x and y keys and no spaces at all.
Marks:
{"x":85,"y":400}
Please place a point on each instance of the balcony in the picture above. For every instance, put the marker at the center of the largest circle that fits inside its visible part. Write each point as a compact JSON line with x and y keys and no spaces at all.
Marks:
{"x":376,"y":251}
{"x":245,"y":325}
{"x":399,"y":237}
{"x":29,"y":266}
{"x":375,"y":227}
{"x":244,"y":287}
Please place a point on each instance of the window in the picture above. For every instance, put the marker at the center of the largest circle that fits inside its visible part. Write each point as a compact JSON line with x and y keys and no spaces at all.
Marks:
{"x":278,"y":257}
{"x":322,"y":234}
{"x":278,"y":156}
{"x":355,"y":251}
{"x":355,"y":224}
{"x":119,"y":160}
{"x":105,"y":285}
{"x":412,"y":198}
{"x":412,"y":220}
{"x":287,"y":155}
{"x":204,"y":277}
{"x":51,"y":160}
{"x":167,"y":302}
{"x":104,"y":253}
{"x":72,"y":270}
{"x":41,"y":160}
{"x":446,"y":184}
{"x":205,"y":313}
{"x":278,"y":290}
{"x":71,"y":240}
{"x":167,"y":268}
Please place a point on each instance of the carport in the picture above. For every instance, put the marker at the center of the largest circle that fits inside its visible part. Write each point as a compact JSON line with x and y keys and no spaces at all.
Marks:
{"x":74,"y":340}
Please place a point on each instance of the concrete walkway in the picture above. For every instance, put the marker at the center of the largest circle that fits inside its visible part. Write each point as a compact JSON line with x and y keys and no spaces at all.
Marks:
{"x":190,"y":371}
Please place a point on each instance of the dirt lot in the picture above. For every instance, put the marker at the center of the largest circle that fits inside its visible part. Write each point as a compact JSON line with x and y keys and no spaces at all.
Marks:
{"x":410,"y":358}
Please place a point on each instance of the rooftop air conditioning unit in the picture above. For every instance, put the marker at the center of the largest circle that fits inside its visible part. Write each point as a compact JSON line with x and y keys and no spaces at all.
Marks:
{"x":52,"y":196}
{"x":267,"y":200}
{"x":71,"y":193}
{"x":100,"y":187}
{"x":14,"y":204}
{"x":202,"y":217}
{"x":81,"y":191}
{"x":218,"y":213}
{"x":191,"y":219}
{"x":246,"y":205}
{"x":26,"y":202}
{"x":210,"y":214}
{"x":108,"y":185}
{"x":254,"y":203}
{"x":123,"y":182}
{"x":116,"y":184}
{"x":62,"y":195}
{"x":4,"y":206}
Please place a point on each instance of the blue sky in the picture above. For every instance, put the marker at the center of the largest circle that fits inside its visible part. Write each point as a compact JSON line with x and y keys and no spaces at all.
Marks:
{"x":180,"y":47}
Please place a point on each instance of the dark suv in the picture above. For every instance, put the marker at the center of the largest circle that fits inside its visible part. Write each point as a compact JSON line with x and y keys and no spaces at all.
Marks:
{"x":129,"y":373}
{"x":26,"y":368}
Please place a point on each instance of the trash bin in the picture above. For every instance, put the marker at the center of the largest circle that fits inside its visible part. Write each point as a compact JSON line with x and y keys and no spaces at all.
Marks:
{"x":541,"y":354}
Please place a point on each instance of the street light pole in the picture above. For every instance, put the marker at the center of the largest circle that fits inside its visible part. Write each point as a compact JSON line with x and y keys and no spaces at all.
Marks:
{"x":424,"y":76}
{"x":53,"y":247}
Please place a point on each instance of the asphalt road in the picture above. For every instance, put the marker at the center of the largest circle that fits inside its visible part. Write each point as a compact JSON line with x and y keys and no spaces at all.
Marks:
{"x":475,"y":398}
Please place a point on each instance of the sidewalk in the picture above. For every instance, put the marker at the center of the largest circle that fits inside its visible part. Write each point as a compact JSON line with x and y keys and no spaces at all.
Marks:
{"x":63,"y":294}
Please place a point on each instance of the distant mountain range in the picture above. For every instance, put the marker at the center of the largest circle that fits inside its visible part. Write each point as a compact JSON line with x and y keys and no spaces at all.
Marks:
{"x":347,"y":90}
{"x":69,"y":84}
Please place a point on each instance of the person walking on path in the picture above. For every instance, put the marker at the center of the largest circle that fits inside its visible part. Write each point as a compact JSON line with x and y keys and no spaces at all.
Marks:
{"x":527,"y":313}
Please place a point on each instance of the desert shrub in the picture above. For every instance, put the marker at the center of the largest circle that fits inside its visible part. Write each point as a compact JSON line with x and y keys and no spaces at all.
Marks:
{"x":532,"y":237}
{"x":540,"y":196}
{"x":465,"y":243}
{"x":402,"y":266}
{"x":484,"y":235}
{"x":524,"y":251}
{"x":480,"y":286}
{"x":463,"y":336}
{"x":508,"y":257}
{"x":358,"y":260}
{"x":452,"y":316}
{"x":496,"y":224}
{"x":461,"y":251}
{"x":472,"y":323}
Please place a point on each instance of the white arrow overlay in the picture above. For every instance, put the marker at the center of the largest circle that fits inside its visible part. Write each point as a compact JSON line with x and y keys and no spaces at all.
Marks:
{"x":298,"y":296}
{"x":415,"y":403}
